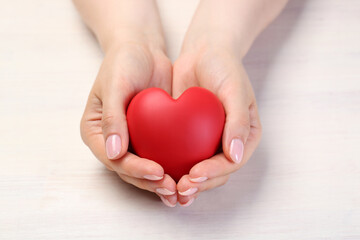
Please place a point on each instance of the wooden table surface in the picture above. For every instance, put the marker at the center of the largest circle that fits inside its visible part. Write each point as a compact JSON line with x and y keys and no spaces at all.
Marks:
{"x":303,"y":182}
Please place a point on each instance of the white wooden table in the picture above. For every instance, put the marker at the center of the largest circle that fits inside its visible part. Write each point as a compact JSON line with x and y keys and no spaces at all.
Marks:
{"x":302,"y":183}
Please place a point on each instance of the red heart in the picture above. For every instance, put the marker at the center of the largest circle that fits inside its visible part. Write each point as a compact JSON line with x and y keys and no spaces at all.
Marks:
{"x":179,"y":133}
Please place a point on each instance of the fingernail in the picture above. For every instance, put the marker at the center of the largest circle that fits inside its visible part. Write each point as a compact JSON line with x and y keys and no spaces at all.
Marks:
{"x":113,"y":146}
{"x":199,"y":179}
{"x":166,"y":202}
{"x":188,"y":203}
{"x":164,"y":191}
{"x":153,"y":177}
{"x":236,"y":150}
{"x":188,"y":192}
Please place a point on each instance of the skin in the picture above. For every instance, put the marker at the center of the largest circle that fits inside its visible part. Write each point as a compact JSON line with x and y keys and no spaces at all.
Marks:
{"x":217,"y":40}
{"x":134,"y":59}
{"x":131,"y":37}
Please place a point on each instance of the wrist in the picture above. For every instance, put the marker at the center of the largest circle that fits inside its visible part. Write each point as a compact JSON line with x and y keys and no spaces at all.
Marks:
{"x":212,"y":39}
{"x":117,"y":39}
{"x":230,"y":23}
{"x":135,"y":21}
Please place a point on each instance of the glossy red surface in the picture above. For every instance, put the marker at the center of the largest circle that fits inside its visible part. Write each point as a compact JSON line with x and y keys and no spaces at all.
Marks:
{"x":175,"y":133}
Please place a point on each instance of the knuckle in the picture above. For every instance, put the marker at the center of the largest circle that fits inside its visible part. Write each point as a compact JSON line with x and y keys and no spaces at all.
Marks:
{"x":255,"y":121}
{"x":107,"y":121}
{"x":244,"y":120}
{"x":240,"y":129}
{"x":245,"y":126}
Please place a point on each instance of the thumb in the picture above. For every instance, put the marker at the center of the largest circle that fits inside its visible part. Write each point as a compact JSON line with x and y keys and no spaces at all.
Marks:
{"x":113,"y":123}
{"x":237,"y":124}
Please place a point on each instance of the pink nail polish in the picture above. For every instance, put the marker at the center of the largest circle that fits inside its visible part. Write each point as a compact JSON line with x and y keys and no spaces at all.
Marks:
{"x":198,"y":179}
{"x":164,"y":191}
{"x":153,"y":177}
{"x":113,"y":146}
{"x":166,"y":202}
{"x":189,"y":192}
{"x":236,"y":150}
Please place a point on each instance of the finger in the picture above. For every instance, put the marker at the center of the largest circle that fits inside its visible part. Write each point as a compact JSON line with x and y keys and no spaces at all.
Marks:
{"x":130,"y":164}
{"x":186,"y":187}
{"x":186,"y":201}
{"x":231,"y":85}
{"x":134,"y":166}
{"x":188,"y":190}
{"x":213,"y":167}
{"x":219,"y":165}
{"x":168,"y":200}
{"x":90,"y":129}
{"x":236,"y":100}
{"x":115,"y":96}
{"x":166,"y":188}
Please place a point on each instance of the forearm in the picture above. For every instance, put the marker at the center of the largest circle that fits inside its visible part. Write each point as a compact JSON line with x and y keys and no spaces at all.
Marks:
{"x":116,"y":21}
{"x":234,"y":23}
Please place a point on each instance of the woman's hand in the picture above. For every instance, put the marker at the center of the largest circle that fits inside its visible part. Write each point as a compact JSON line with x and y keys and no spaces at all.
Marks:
{"x":219,"y":36}
{"x":125,"y":71}
{"x":130,"y":34}
{"x":220,"y":71}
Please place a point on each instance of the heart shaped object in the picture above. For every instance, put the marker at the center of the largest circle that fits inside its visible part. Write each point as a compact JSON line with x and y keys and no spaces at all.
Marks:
{"x":176,"y":133}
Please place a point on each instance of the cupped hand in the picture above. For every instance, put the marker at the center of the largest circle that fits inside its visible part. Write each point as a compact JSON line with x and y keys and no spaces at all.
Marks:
{"x":219,"y":70}
{"x":126,"y":69}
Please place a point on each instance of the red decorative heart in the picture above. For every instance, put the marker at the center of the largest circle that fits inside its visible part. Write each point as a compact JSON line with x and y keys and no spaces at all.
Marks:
{"x":176,"y":133}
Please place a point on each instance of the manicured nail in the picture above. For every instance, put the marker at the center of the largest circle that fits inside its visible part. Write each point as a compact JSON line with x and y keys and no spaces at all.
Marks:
{"x":164,"y":191}
{"x":236,"y":150}
{"x":199,"y":179}
{"x":188,"y":203}
{"x":113,"y":146}
{"x":188,"y":192}
{"x":153,"y":177}
{"x":166,"y":202}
